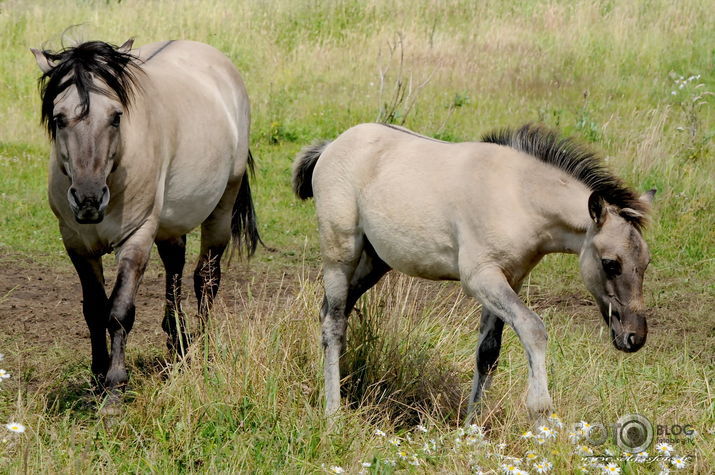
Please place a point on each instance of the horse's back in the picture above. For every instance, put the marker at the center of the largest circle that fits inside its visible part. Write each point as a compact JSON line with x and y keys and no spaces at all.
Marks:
{"x":412,"y":195}
{"x":201,"y":111}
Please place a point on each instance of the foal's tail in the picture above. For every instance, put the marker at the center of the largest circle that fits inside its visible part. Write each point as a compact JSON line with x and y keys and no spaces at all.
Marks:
{"x":244,"y":228}
{"x":303,"y":166}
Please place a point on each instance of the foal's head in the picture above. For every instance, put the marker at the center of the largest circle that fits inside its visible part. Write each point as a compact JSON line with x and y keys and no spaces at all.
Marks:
{"x":85,"y":90}
{"x":614,"y":258}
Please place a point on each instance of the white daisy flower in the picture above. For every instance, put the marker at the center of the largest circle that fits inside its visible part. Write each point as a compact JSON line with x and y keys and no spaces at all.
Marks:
{"x":337,"y":469}
{"x":4,"y":374}
{"x":540,"y":440}
{"x":611,"y":468}
{"x":414,"y":461}
{"x":664,"y":449}
{"x":556,"y":420}
{"x":422,"y":428}
{"x":366,"y":464}
{"x":395,"y":441}
{"x":390,"y":462}
{"x":574,"y":438}
{"x":501,"y":446}
{"x":641,"y":457}
{"x":474,"y":429}
{"x":530,"y":455}
{"x":402,"y":454}
{"x":678,"y":462}
{"x":510,"y":468}
{"x":527,"y":435}
{"x":664,"y":470}
{"x":15,"y":427}
{"x":584,"y":450}
{"x":543,"y":466}
{"x":380,"y":433}
{"x":547,"y":432}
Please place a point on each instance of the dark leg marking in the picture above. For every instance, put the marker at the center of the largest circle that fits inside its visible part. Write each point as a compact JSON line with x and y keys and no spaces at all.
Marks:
{"x":173,"y":256}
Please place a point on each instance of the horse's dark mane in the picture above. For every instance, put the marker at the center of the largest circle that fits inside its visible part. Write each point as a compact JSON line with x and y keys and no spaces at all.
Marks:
{"x":576,"y":160}
{"x":80,"y":66}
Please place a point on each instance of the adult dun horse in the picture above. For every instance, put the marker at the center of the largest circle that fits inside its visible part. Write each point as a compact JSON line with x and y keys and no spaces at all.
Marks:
{"x":146,"y":145}
{"x":482,"y":213}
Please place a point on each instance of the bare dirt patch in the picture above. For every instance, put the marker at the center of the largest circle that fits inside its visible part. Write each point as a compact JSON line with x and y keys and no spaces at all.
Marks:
{"x":41,"y":304}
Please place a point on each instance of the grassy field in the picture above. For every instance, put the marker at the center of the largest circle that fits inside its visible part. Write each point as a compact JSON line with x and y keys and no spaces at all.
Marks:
{"x":632,"y":78}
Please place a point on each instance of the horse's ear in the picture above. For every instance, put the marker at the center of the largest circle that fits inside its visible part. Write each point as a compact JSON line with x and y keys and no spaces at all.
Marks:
{"x":597,"y":208}
{"x":648,"y":196}
{"x":43,"y":62}
{"x":127,"y":46}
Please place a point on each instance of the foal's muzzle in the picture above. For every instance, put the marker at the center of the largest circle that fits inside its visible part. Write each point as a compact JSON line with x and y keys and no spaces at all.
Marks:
{"x":88,"y":208}
{"x":629,"y":333}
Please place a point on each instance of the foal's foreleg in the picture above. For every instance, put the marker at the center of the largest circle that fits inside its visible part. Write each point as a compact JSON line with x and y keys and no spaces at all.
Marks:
{"x":487,"y":356}
{"x":94,"y":307}
{"x":173,"y":256}
{"x":493,"y":290}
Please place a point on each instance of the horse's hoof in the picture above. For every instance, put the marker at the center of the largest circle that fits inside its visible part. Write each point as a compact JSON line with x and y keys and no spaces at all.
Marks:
{"x":113,"y":405}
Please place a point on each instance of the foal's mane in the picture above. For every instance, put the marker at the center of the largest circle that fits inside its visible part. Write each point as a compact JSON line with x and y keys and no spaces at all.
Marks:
{"x":79,"y":66}
{"x":576,"y":160}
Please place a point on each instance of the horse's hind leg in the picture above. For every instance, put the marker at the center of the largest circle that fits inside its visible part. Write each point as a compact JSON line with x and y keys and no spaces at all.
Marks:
{"x":215,"y":237}
{"x":173,"y":255}
{"x":369,"y":271}
{"x":341,"y":253}
{"x":488,"y":349}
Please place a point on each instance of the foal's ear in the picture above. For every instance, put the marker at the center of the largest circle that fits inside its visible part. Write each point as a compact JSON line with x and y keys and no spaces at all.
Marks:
{"x":597,"y":208}
{"x":127,"y":46}
{"x":43,"y":62}
{"x":648,"y":196}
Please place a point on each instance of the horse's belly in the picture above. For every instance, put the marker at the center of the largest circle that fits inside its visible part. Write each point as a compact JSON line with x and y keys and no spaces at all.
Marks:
{"x":417,"y":250}
{"x":186,"y":207}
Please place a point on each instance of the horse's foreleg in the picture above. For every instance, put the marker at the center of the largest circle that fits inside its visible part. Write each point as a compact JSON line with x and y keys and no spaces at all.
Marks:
{"x":487,"y":356}
{"x":94,"y":307}
{"x":173,"y":256}
{"x":132,"y":259}
{"x":493,"y":290}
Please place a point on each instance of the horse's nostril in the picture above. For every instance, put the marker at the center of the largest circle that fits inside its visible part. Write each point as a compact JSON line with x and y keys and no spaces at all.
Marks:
{"x":73,"y":194}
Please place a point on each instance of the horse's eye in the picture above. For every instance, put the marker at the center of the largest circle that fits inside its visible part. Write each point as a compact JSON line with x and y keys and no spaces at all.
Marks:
{"x":611,"y":267}
{"x":60,"y":121}
{"x":117,"y":118}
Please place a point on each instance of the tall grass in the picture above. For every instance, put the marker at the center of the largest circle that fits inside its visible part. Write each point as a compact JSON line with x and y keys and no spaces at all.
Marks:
{"x":249,"y":397}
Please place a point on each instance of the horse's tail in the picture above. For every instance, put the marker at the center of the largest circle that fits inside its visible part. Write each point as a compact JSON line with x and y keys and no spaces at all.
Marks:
{"x":244,"y":228}
{"x":303,"y":166}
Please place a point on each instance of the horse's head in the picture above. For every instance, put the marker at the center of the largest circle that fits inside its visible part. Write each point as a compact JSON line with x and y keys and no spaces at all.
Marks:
{"x":614,"y":258}
{"x":85,"y":91}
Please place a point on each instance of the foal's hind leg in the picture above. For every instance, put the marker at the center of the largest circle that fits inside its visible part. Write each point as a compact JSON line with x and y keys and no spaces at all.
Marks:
{"x":173,"y":255}
{"x":341,"y":254}
{"x":369,"y":271}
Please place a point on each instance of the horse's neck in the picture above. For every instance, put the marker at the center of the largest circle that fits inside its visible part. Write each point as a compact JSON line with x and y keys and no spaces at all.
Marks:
{"x":567,"y":222}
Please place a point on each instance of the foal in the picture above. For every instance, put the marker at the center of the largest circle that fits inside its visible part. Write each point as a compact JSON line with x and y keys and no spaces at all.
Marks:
{"x":483,"y":213}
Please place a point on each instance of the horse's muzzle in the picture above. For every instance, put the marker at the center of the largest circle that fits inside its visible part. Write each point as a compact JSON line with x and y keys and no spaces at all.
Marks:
{"x":88,"y":210}
{"x":629,"y":337}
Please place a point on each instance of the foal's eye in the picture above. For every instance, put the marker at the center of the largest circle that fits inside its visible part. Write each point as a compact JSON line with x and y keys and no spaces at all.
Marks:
{"x":117,"y":118}
{"x":611,"y":267}
{"x":60,"y":121}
